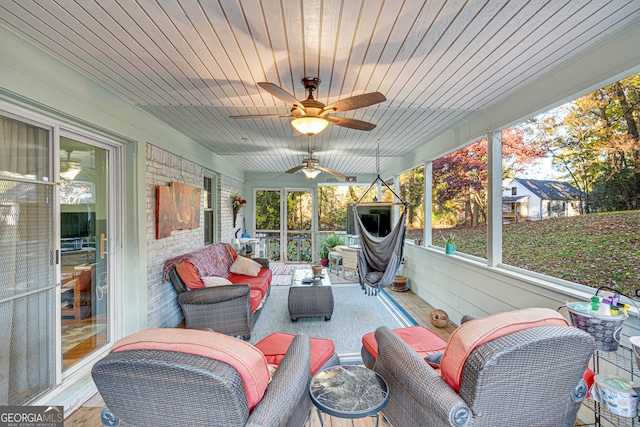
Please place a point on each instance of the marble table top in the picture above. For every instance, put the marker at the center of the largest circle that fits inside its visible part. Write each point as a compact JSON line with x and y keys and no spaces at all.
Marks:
{"x":349,"y":391}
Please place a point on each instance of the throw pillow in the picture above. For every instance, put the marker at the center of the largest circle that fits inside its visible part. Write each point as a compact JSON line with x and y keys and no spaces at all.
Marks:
{"x":212,"y":281}
{"x":245,"y":266}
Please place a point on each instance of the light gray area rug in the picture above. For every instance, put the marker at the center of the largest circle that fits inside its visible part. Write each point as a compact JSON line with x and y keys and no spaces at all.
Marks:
{"x":354,"y":315}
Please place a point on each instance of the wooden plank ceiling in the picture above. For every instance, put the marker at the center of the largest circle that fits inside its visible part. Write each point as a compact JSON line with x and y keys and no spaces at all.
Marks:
{"x":192,"y":64}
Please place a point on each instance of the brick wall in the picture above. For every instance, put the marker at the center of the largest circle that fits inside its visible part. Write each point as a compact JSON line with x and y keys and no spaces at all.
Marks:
{"x":227,"y":187}
{"x":163,"y":168}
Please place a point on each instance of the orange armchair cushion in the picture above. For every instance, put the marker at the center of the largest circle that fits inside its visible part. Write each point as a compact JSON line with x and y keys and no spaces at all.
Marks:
{"x":420,"y":339}
{"x":276,"y":345}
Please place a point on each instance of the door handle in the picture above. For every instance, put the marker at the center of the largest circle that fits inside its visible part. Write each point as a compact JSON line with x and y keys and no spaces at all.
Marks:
{"x":103,"y":246}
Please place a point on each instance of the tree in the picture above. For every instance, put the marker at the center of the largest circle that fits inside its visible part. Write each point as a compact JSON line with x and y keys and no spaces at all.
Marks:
{"x":595,"y":142}
{"x":412,"y":191}
{"x":332,"y":205}
{"x":268,"y":210}
{"x":460,"y":178}
{"x":332,"y":212}
{"x":517,"y":154}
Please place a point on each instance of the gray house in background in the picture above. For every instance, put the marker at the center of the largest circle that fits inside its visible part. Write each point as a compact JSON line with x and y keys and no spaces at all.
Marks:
{"x":533,"y":199}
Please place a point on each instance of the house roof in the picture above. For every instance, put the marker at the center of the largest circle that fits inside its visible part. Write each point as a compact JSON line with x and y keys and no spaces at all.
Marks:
{"x":550,"y":190}
{"x":513,"y":199}
{"x":440,"y":65}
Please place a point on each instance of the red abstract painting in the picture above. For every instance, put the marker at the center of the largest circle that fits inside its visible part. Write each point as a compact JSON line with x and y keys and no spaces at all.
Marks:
{"x":177,"y":208}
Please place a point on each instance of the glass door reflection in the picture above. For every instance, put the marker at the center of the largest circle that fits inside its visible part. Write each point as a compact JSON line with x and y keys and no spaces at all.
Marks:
{"x":84,"y":260}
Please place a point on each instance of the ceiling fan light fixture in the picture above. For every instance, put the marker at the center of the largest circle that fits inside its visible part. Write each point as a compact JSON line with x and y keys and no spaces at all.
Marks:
{"x":310,"y":125}
{"x":311,"y":173}
{"x":69,"y":169}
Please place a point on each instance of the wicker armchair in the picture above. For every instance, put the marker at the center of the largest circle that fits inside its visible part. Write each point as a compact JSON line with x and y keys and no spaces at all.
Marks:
{"x":225,"y":309}
{"x":527,"y":378}
{"x":158,"y":388}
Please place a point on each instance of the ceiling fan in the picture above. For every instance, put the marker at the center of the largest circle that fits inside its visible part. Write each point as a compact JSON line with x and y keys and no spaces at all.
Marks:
{"x":311,"y":168}
{"x":311,"y":116}
{"x":69,"y":168}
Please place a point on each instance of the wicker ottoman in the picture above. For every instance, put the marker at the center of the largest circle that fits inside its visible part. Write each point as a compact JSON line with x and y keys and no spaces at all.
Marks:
{"x":309,"y":297}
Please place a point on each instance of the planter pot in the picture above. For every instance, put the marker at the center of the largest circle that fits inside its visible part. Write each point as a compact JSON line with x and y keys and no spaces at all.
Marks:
{"x":450,"y":249}
{"x":317,"y":270}
{"x":324,"y":262}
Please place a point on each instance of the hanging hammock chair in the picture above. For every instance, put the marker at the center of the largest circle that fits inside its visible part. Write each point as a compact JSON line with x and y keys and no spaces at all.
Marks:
{"x":379,"y":257}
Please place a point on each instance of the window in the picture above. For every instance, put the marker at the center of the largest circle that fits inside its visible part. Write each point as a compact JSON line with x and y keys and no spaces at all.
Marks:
{"x":579,"y":192}
{"x":460,"y":199}
{"x":514,"y":191}
{"x":332,"y":204}
{"x":209,"y":224}
{"x":412,"y":191}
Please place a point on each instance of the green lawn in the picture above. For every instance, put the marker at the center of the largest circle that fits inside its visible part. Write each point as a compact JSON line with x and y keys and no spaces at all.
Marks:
{"x":594,"y":250}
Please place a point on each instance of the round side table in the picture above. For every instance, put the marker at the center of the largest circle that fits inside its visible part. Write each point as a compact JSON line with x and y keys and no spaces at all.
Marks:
{"x":349,"y":392}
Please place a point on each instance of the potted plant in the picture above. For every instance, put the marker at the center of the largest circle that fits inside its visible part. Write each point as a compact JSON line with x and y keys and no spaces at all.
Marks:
{"x":323,"y":254}
{"x":449,"y":241}
{"x":331,"y":241}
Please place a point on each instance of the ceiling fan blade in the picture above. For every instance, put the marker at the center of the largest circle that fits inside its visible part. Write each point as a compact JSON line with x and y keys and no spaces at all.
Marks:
{"x":351,"y":123}
{"x":358,"y":101}
{"x":281,"y":94}
{"x":296,"y":169}
{"x":253,"y":116}
{"x":338,"y":174}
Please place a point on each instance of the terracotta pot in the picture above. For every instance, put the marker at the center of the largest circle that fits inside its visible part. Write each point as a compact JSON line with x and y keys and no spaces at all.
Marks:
{"x":317,"y":270}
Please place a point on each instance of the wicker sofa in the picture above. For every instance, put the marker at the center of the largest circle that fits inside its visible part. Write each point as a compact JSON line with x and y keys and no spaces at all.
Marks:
{"x":201,"y":378}
{"x":529,"y":376}
{"x":231,"y":309}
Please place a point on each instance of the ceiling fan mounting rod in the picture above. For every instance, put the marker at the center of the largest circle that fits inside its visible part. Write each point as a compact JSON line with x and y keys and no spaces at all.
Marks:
{"x":311,"y":84}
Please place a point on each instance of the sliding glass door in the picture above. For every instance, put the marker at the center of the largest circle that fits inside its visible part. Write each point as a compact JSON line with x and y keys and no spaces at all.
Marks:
{"x":267,"y":221}
{"x":299,"y":220}
{"x":84,"y":258}
{"x":27,"y":255}
{"x":56,"y":231}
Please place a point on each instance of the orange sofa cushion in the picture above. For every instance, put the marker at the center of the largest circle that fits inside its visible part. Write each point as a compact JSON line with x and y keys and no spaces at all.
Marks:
{"x":247,"y":360}
{"x":276,"y":345}
{"x":260,"y":283}
{"x":420,"y":339}
{"x":255,"y":299}
{"x":466,"y":338}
